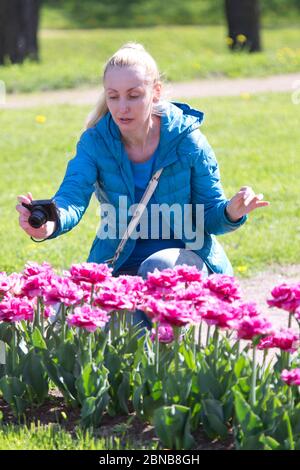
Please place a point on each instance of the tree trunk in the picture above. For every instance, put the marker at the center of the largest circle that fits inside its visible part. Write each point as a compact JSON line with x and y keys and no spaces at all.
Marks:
{"x":29,"y":26}
{"x":2,"y":32}
{"x":18,"y":30}
{"x":243,"y":18}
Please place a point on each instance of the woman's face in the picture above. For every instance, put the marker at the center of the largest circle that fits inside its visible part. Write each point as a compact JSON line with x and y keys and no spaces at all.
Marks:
{"x":129,"y":97}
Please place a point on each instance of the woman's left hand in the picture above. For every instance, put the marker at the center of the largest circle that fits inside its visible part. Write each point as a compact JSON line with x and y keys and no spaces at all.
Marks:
{"x":243,"y":202}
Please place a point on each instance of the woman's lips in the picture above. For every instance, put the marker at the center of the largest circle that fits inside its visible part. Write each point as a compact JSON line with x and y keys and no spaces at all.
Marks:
{"x":125,"y":120}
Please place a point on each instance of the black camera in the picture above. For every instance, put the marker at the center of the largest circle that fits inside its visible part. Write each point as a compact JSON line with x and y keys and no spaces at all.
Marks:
{"x":42,"y":211}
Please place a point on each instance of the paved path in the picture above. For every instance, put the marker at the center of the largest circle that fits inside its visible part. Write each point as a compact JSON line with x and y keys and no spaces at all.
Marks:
{"x":258,"y":289}
{"x":193,"y":89}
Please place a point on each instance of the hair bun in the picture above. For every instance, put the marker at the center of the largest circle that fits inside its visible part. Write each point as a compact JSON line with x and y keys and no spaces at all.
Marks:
{"x":134,"y":45}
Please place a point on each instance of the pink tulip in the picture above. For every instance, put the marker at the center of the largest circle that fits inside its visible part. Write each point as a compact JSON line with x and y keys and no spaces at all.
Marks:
{"x":284,"y":339}
{"x":110,"y":301}
{"x":188,"y":274}
{"x":35,"y":286}
{"x":170,"y":312}
{"x":120,"y":293}
{"x":49,"y":311}
{"x":62,"y":290}
{"x":286,"y":296}
{"x":162,"y":281}
{"x":194,"y":292}
{"x":291,"y":377}
{"x":221,"y":314}
{"x":90,"y":272}
{"x":224,"y":287}
{"x":4,"y":283}
{"x":249,"y":327}
{"x":16,"y":309}
{"x":17,"y":281}
{"x":86,"y":288}
{"x":165,"y":334}
{"x":34,"y":269}
{"x":247,"y":309}
{"x":88,"y":318}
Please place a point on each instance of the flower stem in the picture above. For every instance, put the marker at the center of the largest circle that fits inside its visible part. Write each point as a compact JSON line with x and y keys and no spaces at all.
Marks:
{"x":80,"y":346}
{"x":37,"y":321}
{"x":253,"y":380}
{"x":129,"y":319}
{"x":112,"y":325}
{"x":156,"y":349}
{"x":199,"y":334}
{"x":265,"y":358}
{"x":176,"y":351}
{"x":119,"y":319}
{"x":90,"y":346}
{"x":216,"y":339}
{"x":290,"y":320}
{"x":40,"y":301}
{"x":13,"y":349}
{"x":208,"y":335}
{"x":63,"y":322}
{"x":193,"y":328}
{"x":92,"y":293}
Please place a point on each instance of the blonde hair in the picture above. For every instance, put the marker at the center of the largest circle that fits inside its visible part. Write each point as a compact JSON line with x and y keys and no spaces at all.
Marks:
{"x":130,"y":54}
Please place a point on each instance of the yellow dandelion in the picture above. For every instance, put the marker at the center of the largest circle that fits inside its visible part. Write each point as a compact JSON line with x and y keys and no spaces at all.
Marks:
{"x":196,"y":66}
{"x":229,"y":41}
{"x":40,"y":119}
{"x":241,"y":38}
{"x":242,"y":268}
{"x":245,"y":96}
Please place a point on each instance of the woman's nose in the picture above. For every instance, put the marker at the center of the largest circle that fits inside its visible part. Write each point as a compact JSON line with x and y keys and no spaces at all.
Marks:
{"x":124,"y":108}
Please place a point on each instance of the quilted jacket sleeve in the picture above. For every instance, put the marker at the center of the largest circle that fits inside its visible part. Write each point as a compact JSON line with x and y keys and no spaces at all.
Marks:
{"x":206,"y":187}
{"x":77,"y":187}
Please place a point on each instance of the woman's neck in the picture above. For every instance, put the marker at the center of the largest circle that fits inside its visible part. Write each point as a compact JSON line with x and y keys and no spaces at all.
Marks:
{"x":140,"y":140}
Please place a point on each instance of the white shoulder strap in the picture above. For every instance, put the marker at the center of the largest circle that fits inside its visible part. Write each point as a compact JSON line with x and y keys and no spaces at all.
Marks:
{"x":137,"y":215}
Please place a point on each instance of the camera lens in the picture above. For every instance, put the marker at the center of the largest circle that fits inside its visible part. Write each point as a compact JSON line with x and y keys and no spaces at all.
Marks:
{"x":37,"y":218}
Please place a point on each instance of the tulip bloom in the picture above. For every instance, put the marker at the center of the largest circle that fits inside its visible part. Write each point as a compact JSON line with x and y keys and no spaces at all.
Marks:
{"x":291,"y":377}
{"x":88,"y":318}
{"x":284,"y":339}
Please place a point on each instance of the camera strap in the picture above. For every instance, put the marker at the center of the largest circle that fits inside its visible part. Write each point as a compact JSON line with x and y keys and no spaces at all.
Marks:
{"x":136,"y":215}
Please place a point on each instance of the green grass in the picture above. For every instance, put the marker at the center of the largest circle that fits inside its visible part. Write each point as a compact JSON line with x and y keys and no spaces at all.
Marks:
{"x":54,"y":437}
{"x":257,"y":143}
{"x":92,"y":14}
{"x":75,"y":57}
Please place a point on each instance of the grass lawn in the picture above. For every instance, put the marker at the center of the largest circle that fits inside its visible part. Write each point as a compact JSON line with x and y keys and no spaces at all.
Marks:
{"x":71,"y":58}
{"x":55,"y":437}
{"x":257,"y":143}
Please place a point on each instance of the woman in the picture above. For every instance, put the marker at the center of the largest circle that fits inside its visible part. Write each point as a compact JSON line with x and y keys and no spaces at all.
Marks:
{"x":132,"y":134}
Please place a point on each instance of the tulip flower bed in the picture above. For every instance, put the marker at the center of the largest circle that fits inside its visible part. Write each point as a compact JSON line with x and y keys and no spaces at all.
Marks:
{"x":76,"y":331}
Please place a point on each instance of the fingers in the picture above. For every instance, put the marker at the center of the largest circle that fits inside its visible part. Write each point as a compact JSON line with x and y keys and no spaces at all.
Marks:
{"x":248,"y":196}
{"x":27,"y":200}
{"x":245,"y":194}
{"x":22,"y":210}
{"x":258,"y":201}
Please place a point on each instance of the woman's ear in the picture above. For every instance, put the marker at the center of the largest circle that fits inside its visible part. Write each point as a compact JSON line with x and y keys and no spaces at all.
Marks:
{"x":157,"y":92}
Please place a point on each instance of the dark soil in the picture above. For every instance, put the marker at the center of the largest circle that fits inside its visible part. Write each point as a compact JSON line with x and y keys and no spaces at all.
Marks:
{"x":54,"y":410}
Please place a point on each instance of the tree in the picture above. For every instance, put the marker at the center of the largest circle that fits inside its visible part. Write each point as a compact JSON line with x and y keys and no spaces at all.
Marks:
{"x":243,"y":18}
{"x":19,"y":21}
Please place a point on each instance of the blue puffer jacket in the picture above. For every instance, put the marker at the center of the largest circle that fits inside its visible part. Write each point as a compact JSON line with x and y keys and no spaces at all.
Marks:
{"x":190,"y":175}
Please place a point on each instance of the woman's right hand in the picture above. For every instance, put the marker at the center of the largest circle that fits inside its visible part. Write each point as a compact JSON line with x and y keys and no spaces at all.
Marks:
{"x":39,"y":233}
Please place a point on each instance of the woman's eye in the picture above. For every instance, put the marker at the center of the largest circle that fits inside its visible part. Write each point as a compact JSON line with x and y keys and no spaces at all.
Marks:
{"x":133,"y":96}
{"x":112,"y":97}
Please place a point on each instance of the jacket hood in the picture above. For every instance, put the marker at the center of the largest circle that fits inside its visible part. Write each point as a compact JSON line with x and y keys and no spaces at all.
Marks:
{"x":177,"y":119}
